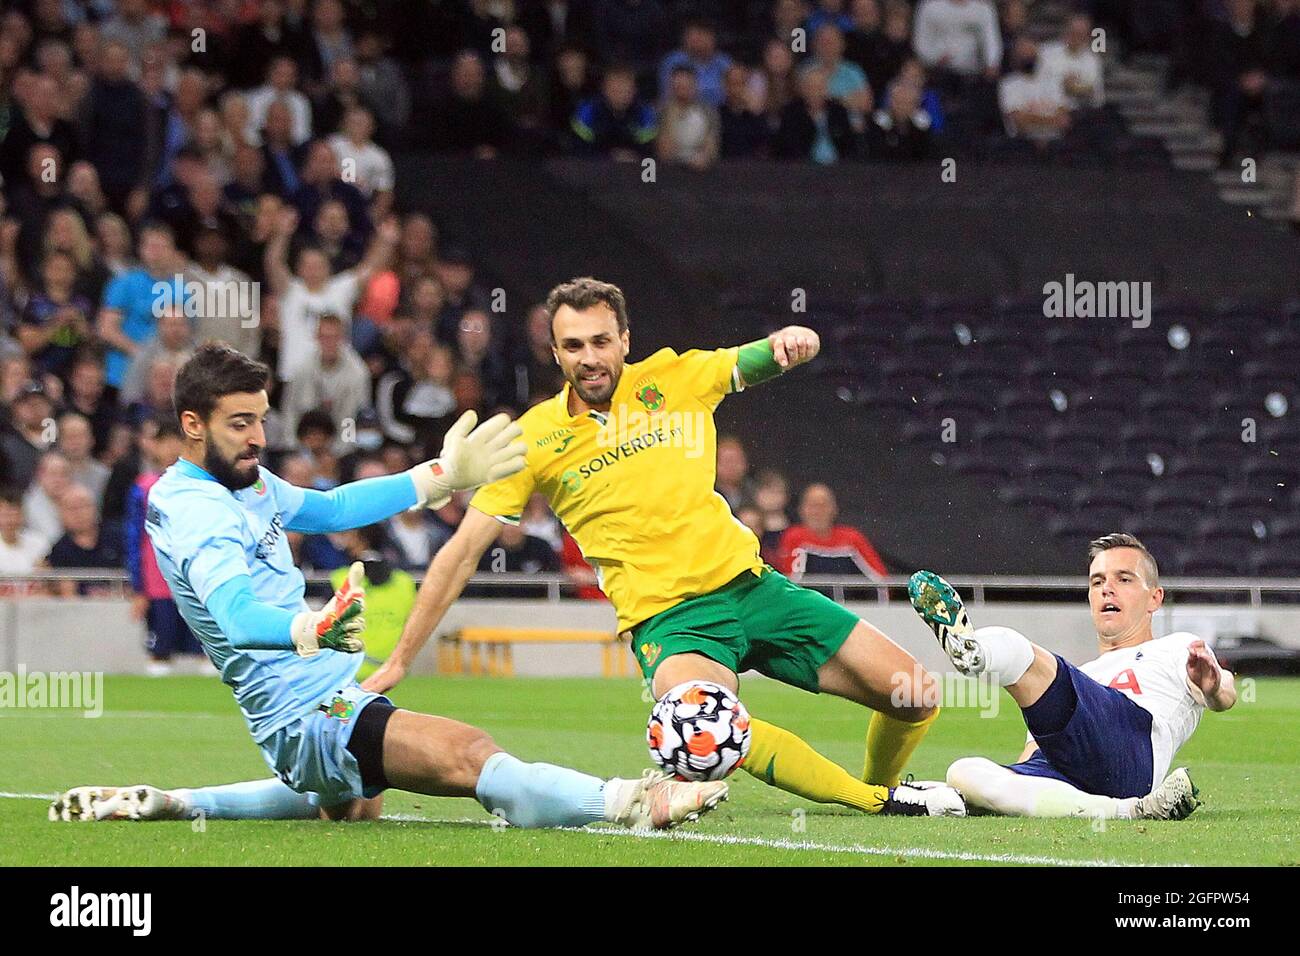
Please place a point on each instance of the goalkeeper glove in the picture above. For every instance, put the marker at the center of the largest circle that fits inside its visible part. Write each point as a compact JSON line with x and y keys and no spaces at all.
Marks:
{"x":338,"y":625}
{"x":470,"y":457}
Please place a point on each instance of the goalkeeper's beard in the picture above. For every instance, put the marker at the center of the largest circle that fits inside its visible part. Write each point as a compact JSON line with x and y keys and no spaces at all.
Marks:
{"x":228,"y":472}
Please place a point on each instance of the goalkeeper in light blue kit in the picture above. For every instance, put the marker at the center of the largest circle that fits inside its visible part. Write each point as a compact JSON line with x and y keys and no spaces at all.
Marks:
{"x":217,"y":520}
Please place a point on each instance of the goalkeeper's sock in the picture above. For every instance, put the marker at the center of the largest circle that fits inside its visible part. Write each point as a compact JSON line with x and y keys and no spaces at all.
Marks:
{"x":268,"y":799}
{"x":989,"y":786}
{"x":779,"y":758}
{"x":539,"y":794}
{"x":890,"y":744}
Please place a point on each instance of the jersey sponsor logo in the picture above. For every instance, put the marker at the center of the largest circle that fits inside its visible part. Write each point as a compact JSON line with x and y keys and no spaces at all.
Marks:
{"x":266,"y":544}
{"x":633,"y":446}
{"x":556,"y":436}
{"x":651,"y":397}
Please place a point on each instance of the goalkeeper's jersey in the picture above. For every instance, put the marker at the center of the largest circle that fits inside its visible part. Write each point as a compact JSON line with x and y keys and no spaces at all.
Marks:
{"x":204,"y":535}
{"x":634,"y":486}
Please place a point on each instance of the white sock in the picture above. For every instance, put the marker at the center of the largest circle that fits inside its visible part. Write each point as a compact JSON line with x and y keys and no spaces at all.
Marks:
{"x":1009,"y":653}
{"x":992,"y":787}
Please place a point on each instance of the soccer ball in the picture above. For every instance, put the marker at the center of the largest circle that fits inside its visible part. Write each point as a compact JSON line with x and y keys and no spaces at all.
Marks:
{"x":699,"y":731}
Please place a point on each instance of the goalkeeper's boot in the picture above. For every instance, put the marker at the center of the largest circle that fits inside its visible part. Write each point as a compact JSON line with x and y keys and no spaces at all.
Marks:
{"x":1174,"y":799}
{"x":940,"y":606}
{"x":924,"y":798}
{"x":138,"y":802}
{"x":660,"y":802}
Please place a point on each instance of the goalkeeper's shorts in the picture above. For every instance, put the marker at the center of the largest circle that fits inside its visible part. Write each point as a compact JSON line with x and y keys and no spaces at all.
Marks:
{"x":312,"y":755}
{"x":759,"y":621}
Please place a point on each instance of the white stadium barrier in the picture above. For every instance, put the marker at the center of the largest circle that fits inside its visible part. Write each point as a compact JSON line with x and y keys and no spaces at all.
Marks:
{"x":41,"y":633}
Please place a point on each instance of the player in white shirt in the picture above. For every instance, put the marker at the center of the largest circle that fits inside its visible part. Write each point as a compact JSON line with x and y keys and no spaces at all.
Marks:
{"x":1101,"y":736}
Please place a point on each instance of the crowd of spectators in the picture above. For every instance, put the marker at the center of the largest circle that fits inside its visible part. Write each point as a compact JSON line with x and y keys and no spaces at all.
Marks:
{"x":174,"y":172}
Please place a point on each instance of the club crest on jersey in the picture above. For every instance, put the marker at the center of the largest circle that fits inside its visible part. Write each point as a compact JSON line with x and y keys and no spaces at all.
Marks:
{"x":341,"y":709}
{"x":650,"y":653}
{"x":259,"y":486}
{"x":650,"y":396}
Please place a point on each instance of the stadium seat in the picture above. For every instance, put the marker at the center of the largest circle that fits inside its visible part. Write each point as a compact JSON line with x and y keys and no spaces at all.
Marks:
{"x":1249,"y":504}
{"x":1002,"y":441}
{"x":1174,"y":505}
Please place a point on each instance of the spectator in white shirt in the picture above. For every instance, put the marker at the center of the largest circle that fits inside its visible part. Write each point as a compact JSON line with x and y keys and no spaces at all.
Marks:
{"x":1033,"y":106}
{"x":334,"y":378}
{"x":280,"y":86}
{"x":364,"y":163}
{"x":961,"y":36}
{"x":21,"y":548}
{"x":311,"y":291}
{"x":42,"y":500}
{"x":76,"y":442}
{"x":689,"y":129}
{"x":1073,"y":65}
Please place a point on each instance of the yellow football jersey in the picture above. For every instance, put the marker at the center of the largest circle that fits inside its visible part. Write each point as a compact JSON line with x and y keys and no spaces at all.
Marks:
{"x":634,"y":486}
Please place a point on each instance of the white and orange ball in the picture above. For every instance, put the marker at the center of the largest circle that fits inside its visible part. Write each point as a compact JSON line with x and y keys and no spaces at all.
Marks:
{"x":699,"y":731}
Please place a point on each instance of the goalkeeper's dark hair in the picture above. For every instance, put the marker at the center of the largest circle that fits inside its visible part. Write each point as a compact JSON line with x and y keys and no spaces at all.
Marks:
{"x":1122,"y":539}
{"x":166,"y":425}
{"x":214,"y":371}
{"x":583,"y":293}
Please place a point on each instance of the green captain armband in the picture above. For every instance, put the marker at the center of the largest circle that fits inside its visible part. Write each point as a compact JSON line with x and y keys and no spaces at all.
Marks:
{"x":756,"y":363}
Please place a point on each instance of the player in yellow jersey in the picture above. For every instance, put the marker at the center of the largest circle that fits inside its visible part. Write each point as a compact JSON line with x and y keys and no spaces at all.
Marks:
{"x":626,"y":456}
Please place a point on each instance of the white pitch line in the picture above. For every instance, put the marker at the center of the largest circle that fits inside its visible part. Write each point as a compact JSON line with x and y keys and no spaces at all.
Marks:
{"x":807,"y":845}
{"x":722,"y":839}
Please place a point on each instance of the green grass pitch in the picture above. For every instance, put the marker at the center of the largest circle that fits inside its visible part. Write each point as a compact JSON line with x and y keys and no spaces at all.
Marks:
{"x":187,"y":732}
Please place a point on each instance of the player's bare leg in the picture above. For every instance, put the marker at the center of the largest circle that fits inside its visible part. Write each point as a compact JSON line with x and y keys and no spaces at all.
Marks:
{"x":872,"y":670}
{"x":354,"y":810}
{"x":442,"y":757}
{"x":782,"y":759}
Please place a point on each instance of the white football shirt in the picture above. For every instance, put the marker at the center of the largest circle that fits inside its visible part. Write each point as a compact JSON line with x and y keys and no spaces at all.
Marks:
{"x":1154,"y":676}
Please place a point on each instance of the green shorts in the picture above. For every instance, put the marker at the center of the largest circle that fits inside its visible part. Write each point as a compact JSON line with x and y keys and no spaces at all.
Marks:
{"x":759,"y":620}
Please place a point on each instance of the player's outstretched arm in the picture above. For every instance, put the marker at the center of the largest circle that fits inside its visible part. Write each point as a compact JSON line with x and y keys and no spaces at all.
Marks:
{"x":448,"y":573}
{"x":253,"y":625}
{"x":470,"y":457}
{"x":781,"y":351}
{"x":1204,"y":675}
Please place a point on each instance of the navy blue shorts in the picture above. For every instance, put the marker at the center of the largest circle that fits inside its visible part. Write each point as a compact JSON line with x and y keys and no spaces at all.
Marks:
{"x":168,"y":632}
{"x":1090,"y":736}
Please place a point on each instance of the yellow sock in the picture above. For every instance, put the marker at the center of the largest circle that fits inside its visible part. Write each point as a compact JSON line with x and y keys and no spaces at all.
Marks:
{"x":780,"y":759}
{"x":890,"y":743}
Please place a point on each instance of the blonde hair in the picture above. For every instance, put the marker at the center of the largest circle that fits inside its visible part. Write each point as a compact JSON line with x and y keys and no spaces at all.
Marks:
{"x":82,"y":251}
